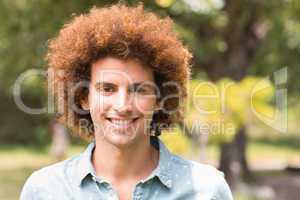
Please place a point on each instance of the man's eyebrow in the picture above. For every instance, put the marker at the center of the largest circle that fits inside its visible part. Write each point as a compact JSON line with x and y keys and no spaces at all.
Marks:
{"x":103,"y":83}
{"x":133,"y":85}
{"x":144,"y":84}
{"x":137,"y":84}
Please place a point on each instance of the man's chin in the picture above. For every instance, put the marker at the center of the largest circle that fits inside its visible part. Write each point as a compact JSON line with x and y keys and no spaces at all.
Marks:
{"x":120,"y":140}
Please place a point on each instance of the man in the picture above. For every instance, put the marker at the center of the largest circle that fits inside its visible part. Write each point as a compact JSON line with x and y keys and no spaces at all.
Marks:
{"x":121,"y":73}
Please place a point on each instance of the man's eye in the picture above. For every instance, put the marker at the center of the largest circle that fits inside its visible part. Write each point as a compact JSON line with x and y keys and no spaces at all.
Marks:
{"x":144,"y":91}
{"x":141,"y":91}
{"x":106,"y":89}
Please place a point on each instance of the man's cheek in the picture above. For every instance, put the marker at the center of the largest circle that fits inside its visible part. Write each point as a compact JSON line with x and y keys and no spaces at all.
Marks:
{"x":95,"y":114}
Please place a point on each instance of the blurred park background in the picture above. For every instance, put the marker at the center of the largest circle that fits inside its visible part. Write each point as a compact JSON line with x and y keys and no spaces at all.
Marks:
{"x":245,"y":69}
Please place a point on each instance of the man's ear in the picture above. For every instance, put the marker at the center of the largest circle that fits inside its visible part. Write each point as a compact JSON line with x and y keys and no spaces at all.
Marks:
{"x":85,"y":104}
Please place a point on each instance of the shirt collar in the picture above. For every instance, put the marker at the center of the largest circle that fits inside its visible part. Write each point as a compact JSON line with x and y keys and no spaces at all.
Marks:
{"x":163,"y":171}
{"x":85,"y":166}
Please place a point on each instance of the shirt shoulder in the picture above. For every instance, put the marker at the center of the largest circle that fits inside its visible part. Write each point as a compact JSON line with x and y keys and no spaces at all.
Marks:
{"x":206,"y":180}
{"x":198,"y":169}
{"x":50,"y":180}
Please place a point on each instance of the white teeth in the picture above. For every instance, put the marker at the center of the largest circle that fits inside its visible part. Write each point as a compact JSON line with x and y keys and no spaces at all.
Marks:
{"x":120,"y":122}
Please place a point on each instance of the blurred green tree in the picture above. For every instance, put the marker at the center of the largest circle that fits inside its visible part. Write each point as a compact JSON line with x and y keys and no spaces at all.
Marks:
{"x":233,"y":38}
{"x":219,"y":110}
{"x":228,"y":38}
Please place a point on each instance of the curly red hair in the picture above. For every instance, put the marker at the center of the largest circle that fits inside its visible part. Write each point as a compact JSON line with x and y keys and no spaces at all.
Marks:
{"x":123,"y":32}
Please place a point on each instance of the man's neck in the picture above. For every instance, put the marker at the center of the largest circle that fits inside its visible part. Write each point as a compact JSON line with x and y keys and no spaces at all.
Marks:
{"x":134,"y":162}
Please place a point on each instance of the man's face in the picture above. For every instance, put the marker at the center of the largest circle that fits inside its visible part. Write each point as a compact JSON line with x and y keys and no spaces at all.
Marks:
{"x":121,"y":100}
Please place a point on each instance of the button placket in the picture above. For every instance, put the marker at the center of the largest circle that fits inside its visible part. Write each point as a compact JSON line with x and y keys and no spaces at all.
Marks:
{"x":137,"y":194}
{"x":103,"y":184}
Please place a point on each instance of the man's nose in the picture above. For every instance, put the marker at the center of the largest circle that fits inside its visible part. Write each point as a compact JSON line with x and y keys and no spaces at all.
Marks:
{"x":123,"y":103}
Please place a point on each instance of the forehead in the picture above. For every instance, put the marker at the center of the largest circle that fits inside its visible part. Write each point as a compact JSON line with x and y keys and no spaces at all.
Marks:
{"x":117,"y":70}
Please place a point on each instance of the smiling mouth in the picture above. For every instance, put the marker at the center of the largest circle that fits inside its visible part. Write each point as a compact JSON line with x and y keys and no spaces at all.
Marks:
{"x":121,"y":123}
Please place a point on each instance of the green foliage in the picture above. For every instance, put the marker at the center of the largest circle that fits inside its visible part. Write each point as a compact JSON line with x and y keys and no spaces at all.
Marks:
{"x":26,"y":25}
{"x":208,"y":28}
{"x":176,"y":142}
{"x":221,"y":108}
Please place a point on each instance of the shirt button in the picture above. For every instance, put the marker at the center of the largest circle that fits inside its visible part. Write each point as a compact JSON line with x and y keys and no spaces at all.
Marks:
{"x":138,"y":197}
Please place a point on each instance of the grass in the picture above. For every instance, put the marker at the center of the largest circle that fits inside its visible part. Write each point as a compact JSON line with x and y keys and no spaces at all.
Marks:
{"x":18,"y":162}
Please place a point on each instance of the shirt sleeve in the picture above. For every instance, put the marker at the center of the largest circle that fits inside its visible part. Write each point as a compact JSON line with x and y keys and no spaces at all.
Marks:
{"x":31,"y":189}
{"x":223,"y":191}
{"x":28,"y":190}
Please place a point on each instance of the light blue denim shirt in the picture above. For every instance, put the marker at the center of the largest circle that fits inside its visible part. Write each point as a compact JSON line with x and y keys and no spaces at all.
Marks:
{"x":173,"y":178}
